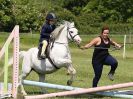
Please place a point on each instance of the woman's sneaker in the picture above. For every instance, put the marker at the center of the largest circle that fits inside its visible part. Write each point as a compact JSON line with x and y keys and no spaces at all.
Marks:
{"x":111,"y":76}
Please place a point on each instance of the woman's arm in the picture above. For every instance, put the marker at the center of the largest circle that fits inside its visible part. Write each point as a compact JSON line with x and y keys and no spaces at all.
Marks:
{"x":91,"y":43}
{"x":115,"y":44}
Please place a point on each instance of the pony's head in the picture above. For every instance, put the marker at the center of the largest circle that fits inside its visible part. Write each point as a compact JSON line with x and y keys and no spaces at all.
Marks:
{"x":66,"y":30}
{"x":73,"y":33}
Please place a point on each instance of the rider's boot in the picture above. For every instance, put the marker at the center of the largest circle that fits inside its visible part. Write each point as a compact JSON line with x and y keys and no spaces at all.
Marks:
{"x":43,"y":56}
{"x":39,"y":54}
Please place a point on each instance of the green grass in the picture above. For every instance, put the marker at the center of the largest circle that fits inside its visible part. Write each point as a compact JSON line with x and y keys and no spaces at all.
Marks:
{"x":81,"y":62}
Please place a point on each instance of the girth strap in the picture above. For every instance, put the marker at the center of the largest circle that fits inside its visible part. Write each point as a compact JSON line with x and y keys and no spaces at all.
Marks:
{"x":52,"y":62}
{"x":49,"y":58}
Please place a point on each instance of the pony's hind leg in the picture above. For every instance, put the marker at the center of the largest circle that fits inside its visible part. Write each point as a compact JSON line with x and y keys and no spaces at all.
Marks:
{"x":72,"y":72}
{"x":41,"y":79}
{"x":26,"y":69}
{"x":22,"y":77}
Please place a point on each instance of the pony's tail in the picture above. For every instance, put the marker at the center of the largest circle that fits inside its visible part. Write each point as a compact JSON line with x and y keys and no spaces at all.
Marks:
{"x":10,"y":62}
{"x":21,"y":55}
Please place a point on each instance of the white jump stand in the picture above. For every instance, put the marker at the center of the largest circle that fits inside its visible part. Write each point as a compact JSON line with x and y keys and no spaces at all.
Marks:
{"x":5,"y":94}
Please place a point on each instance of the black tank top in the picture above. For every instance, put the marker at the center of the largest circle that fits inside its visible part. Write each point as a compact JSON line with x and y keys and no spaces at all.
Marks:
{"x":100,"y":54}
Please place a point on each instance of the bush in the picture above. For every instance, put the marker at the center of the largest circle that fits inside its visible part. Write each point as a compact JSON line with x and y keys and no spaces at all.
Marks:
{"x":28,"y":18}
{"x":88,"y":23}
{"x":6,"y":15}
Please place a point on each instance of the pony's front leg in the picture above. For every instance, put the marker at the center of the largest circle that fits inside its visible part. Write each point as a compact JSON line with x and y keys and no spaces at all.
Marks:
{"x":60,"y":62}
{"x":72,"y":72}
{"x":68,"y":64}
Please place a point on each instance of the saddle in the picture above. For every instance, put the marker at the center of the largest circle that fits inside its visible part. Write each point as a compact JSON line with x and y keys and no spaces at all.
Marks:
{"x":47,"y":51}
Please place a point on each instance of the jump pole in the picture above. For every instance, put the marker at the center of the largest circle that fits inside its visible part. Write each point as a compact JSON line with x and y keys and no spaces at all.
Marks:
{"x":15,"y":36}
{"x":124,"y":48}
{"x":6,"y":69}
{"x":81,"y":91}
{"x":48,"y":85}
{"x":62,"y":87}
{"x":15,"y":62}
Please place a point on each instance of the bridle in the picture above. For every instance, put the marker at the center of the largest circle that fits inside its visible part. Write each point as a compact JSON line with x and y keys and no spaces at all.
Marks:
{"x":72,"y":37}
{"x":69,"y":32}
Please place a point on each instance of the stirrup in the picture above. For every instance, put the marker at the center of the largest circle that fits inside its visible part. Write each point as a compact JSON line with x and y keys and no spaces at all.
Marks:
{"x":41,"y":57}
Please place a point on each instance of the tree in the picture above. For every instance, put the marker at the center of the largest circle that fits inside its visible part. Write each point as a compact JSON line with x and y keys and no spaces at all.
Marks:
{"x":111,"y":10}
{"x":75,"y":6}
{"x":6,"y":15}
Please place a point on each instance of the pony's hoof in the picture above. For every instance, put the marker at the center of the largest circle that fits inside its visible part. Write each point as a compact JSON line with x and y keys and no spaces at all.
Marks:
{"x":45,"y":92}
{"x":67,"y":73}
{"x":24,"y":93}
{"x":69,"y":82}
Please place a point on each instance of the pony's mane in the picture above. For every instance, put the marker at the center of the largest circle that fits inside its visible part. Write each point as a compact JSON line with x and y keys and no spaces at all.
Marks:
{"x":59,"y":29}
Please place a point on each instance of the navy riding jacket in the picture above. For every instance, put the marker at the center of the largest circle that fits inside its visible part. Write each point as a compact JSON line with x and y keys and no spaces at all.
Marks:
{"x":46,"y":31}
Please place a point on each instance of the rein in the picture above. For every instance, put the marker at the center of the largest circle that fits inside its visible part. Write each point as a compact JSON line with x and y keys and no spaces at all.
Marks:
{"x":112,"y":49}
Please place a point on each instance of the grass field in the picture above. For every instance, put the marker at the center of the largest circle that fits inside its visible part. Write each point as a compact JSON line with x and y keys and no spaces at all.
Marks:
{"x":82,"y":63}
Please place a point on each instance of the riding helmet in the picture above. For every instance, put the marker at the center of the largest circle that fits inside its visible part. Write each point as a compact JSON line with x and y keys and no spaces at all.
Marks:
{"x":51,"y":16}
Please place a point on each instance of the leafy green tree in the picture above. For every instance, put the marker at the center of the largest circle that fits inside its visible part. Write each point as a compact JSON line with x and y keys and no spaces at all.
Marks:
{"x":111,"y":10}
{"x":75,"y":6}
{"x":6,"y":15}
{"x":28,"y":18}
{"x":87,"y":23}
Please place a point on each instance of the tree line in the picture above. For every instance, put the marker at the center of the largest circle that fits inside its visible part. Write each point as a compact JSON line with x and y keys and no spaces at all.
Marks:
{"x":88,"y":15}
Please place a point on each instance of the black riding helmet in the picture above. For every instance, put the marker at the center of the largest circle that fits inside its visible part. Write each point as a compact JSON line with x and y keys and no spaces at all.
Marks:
{"x":51,"y":16}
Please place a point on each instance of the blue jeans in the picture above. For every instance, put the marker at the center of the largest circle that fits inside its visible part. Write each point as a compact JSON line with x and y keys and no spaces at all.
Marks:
{"x":98,"y":67}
